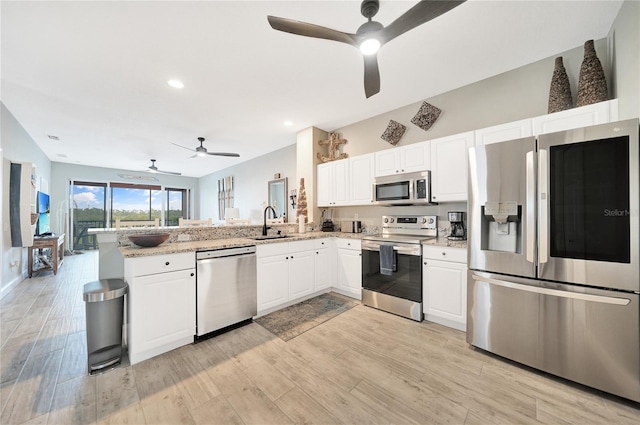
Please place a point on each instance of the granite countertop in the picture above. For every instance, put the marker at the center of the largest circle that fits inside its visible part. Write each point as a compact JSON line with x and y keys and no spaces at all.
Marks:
{"x":221,"y":243}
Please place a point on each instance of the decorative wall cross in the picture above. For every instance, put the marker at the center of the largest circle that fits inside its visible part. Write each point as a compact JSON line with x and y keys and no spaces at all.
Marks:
{"x":334,"y":143}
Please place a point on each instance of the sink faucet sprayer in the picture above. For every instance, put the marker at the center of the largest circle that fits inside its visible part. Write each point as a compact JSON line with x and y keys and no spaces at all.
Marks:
{"x":264,"y":226}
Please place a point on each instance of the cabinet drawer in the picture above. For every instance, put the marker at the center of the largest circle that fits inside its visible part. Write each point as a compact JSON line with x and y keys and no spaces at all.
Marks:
{"x":271,"y":249}
{"x":299,"y":246}
{"x":345,"y":243}
{"x":321,"y":243}
{"x":444,"y":253}
{"x":153,"y":264}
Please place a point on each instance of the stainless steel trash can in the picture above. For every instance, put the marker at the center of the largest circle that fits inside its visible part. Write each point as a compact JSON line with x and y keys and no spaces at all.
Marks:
{"x":104,"y":302}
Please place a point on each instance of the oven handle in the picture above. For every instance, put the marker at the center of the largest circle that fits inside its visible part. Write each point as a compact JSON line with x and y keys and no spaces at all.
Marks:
{"x":406,"y":249}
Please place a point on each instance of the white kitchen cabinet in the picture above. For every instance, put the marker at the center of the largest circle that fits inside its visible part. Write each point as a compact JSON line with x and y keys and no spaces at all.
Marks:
{"x":444,"y":276}
{"x":405,"y":159}
{"x":349,"y":267}
{"x":361,"y":169}
{"x":161,"y":304}
{"x":503,"y":132}
{"x":323,"y":264}
{"x":286,"y":272}
{"x":584,"y":116}
{"x":449,"y":159}
{"x":332,"y":185}
{"x":273,"y":281}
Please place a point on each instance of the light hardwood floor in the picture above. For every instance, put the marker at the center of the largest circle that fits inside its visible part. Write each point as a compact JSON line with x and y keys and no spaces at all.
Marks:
{"x":364,"y":366}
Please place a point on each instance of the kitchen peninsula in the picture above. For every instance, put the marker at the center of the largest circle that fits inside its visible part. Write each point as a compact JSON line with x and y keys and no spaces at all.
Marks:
{"x":291,"y":267}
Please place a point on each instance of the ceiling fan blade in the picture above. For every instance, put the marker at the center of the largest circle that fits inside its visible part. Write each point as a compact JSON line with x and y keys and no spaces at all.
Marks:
{"x":235,"y":155}
{"x":371,"y":75}
{"x":310,"y":30}
{"x":173,"y":173}
{"x":183,"y":147}
{"x":422,"y":12}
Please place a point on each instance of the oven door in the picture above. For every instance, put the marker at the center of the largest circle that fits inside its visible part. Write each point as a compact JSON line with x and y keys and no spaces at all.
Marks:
{"x":405,"y":282}
{"x":588,"y":206}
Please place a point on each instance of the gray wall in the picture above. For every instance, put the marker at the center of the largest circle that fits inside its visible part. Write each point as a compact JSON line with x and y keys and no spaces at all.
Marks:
{"x":624,"y":51}
{"x":17,"y":146}
{"x":250,"y":184}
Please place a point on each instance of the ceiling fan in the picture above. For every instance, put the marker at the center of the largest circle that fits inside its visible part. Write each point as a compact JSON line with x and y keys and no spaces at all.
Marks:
{"x":202,"y":151}
{"x":154,"y":169}
{"x":371,"y":35}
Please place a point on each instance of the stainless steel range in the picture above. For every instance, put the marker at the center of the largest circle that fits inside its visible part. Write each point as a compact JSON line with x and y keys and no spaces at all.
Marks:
{"x":392,"y":264}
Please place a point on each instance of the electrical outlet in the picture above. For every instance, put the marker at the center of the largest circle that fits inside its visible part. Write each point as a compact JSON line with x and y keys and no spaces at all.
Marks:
{"x":184,"y":237}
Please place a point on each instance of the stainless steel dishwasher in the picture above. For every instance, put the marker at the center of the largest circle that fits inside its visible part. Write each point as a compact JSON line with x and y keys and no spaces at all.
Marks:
{"x":226,"y":289}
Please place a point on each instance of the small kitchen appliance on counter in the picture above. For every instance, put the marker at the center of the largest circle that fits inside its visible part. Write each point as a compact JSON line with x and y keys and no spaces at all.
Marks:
{"x":392,"y":264}
{"x":351,"y":226}
{"x":327,"y":224}
{"x":457,"y":233}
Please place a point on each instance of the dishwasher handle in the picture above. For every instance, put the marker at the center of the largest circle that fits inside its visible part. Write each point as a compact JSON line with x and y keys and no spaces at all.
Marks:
{"x":226,"y":252}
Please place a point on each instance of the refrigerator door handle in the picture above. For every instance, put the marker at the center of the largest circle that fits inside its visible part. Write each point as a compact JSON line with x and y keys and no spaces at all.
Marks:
{"x":530,"y":207}
{"x":554,"y":292}
{"x":543,"y":206}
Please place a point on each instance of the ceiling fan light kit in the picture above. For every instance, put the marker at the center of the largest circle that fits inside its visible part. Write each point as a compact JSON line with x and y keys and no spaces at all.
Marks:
{"x":371,"y":35}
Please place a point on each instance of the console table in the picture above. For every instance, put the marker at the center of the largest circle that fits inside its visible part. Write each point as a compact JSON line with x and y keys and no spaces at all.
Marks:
{"x":46,"y":260}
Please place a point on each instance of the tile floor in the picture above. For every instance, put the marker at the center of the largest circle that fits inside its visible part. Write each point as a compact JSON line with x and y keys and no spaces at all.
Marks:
{"x":364,"y":366}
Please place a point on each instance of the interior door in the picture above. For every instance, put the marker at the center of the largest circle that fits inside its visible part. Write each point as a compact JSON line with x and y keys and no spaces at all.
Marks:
{"x":588,"y":206}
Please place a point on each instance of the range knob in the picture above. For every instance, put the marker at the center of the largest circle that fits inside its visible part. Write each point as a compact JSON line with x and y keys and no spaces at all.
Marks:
{"x":392,"y":219}
{"x":386,"y":220}
{"x":431,"y":220}
{"x":424,"y":220}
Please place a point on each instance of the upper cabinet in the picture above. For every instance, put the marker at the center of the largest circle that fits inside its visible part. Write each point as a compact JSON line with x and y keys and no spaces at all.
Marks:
{"x":333,"y":187}
{"x":405,"y":159}
{"x":449,"y":158}
{"x":503,"y":132}
{"x":361,"y":179}
{"x":598,"y":113}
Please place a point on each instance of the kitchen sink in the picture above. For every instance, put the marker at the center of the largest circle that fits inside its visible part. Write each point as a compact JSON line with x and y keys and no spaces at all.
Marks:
{"x":263,"y":238}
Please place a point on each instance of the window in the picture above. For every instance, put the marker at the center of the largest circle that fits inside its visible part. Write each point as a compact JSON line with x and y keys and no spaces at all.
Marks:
{"x":88,"y":205}
{"x":176,"y":205}
{"x":135,"y":202}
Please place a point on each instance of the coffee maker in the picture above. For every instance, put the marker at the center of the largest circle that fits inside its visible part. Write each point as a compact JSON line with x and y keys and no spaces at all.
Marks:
{"x":457,"y":233}
{"x":327,"y":223}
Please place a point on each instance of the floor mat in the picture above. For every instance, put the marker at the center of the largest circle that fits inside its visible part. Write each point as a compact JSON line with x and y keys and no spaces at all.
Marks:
{"x":292,"y":321}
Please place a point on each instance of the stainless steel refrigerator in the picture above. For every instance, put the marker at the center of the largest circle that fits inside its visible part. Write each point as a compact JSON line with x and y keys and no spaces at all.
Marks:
{"x":554,"y":267}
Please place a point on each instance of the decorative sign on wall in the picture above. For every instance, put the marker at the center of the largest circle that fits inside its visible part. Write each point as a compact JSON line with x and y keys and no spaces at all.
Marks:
{"x":334,"y":143}
{"x":426,"y":116}
{"x":394,"y":132}
{"x":225,"y":196}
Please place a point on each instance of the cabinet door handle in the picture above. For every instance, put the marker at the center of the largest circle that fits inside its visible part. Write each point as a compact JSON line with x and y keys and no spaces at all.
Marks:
{"x":292,"y":257}
{"x":193,"y":274}
{"x":425,"y":263}
{"x":444,"y":253}
{"x":286,"y":258}
{"x":166,"y":264}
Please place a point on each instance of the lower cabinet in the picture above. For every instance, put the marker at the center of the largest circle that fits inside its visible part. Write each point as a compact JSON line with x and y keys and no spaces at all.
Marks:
{"x":349,"y":267}
{"x":324,"y":269}
{"x":161,"y":304}
{"x":445,"y":286}
{"x":286,"y":271}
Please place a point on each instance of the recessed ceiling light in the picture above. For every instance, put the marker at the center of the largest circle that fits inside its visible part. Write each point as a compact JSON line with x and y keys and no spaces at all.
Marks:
{"x":177,"y":84}
{"x":288,"y":123}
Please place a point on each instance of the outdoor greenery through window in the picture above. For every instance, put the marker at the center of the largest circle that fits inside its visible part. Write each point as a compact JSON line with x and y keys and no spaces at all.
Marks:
{"x":94,"y":204}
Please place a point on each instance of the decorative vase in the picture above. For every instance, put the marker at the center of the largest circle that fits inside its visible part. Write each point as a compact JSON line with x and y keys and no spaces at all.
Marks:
{"x":559,"y":91}
{"x":302,"y":201}
{"x":592,"y":85}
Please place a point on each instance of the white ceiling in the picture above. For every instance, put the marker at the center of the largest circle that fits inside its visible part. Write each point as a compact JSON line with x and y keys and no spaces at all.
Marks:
{"x":94,"y":73}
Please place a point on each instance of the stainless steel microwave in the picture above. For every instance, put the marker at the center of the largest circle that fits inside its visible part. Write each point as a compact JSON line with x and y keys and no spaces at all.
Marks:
{"x":403,"y":189}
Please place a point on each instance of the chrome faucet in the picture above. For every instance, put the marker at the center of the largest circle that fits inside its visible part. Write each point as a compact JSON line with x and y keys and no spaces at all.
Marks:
{"x":264,"y":226}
